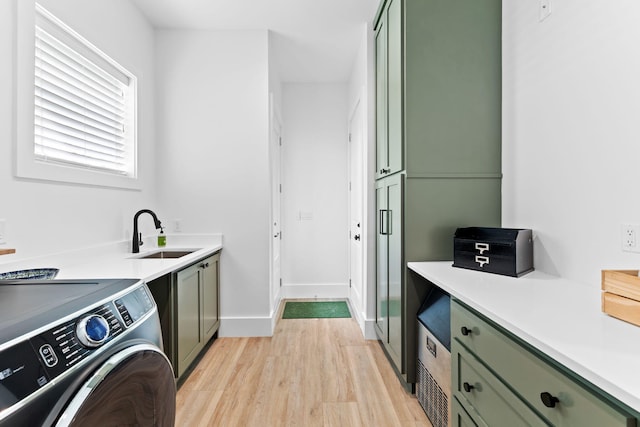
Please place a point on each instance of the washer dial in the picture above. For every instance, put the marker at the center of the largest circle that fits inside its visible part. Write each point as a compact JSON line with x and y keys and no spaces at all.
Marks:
{"x":92,"y":331}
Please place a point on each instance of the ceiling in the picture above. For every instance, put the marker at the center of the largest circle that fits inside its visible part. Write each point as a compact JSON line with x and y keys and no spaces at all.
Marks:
{"x":313,"y":40}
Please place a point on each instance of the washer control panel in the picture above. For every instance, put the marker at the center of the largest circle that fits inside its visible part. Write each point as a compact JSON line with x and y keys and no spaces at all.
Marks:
{"x":70,"y":342}
{"x":32,"y":363}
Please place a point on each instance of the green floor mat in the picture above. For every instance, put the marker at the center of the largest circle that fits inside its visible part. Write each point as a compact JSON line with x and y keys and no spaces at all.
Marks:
{"x":315,"y":310}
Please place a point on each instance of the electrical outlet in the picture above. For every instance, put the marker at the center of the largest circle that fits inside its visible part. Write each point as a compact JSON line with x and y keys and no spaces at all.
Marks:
{"x":177,"y":225}
{"x":3,"y":237}
{"x":629,"y":237}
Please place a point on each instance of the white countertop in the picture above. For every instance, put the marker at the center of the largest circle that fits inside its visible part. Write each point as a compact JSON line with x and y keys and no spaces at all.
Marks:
{"x":115,"y":260}
{"x":558,"y":317}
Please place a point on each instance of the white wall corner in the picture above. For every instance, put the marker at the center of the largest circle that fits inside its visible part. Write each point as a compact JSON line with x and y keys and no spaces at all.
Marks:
{"x":246,"y":327}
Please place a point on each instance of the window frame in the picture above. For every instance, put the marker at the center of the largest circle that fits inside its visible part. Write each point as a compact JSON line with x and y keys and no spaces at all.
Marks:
{"x":26,"y":165}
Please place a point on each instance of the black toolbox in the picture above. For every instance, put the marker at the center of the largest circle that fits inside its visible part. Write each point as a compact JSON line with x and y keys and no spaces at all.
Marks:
{"x":506,"y":251}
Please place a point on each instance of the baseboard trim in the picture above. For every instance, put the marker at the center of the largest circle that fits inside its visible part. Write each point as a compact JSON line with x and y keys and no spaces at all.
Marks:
{"x":264,"y":326}
{"x":315,"y":290}
{"x":366,"y":325}
{"x":369,"y":330}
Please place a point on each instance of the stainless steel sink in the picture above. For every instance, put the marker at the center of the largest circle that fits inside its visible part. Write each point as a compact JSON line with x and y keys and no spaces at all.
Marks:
{"x":167,"y":254}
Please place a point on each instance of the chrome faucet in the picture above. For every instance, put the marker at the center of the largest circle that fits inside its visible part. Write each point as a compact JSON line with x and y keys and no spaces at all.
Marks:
{"x":137,"y":238}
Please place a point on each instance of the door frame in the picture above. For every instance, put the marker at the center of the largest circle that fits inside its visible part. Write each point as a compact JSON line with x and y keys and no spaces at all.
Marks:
{"x":275,"y":224}
{"x":357,"y":117}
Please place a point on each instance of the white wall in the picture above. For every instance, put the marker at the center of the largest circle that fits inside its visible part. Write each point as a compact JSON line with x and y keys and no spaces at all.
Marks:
{"x":213,"y":130}
{"x":46,"y":217}
{"x":361,"y":88}
{"x":571,"y":140}
{"x":314,"y":178}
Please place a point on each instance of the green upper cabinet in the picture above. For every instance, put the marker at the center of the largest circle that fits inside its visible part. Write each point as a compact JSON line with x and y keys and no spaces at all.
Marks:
{"x":438,"y":87}
{"x":381,"y":100}
{"x":389,"y":153}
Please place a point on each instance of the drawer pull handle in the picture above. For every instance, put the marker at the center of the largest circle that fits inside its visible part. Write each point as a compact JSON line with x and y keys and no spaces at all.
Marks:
{"x":482,"y":260}
{"x":467,"y":387}
{"x":466,"y":331}
{"x":482,"y":247}
{"x":549,"y":400}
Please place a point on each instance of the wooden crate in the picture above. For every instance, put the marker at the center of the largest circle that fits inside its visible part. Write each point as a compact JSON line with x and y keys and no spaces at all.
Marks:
{"x":621,"y":295}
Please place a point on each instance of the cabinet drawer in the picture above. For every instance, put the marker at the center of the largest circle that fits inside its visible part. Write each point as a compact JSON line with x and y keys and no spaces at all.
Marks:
{"x":461,"y":418}
{"x":478,"y":389}
{"x":532,"y":378}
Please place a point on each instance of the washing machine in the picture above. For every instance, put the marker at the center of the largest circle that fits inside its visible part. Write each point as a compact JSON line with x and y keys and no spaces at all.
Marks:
{"x":82,"y":353}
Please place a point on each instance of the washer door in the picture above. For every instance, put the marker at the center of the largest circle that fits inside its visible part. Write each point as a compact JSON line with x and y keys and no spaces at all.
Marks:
{"x":134,"y":387}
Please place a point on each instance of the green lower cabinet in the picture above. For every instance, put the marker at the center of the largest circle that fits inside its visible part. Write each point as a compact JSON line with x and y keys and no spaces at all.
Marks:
{"x":210,"y":296}
{"x":483,"y":393}
{"x":188,"y":324}
{"x":506,"y":382}
{"x":460,"y":417}
{"x":196,"y":310}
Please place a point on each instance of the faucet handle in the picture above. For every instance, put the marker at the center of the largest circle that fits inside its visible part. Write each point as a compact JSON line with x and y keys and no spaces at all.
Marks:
{"x":140,"y":240}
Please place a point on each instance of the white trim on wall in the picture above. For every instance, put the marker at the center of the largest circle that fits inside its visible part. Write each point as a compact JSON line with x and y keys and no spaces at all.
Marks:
{"x":315,"y":290}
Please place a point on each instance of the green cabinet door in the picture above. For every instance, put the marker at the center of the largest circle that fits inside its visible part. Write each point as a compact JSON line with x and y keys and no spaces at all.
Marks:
{"x":382,"y":264}
{"x":389,"y":238}
{"x":210,"y":305}
{"x":189,"y":336}
{"x":477,"y":389}
{"x":394,"y":87}
{"x":396,"y":267}
{"x":453,"y":89}
{"x":389,"y":141}
{"x":461,"y":418}
{"x":381,"y":99}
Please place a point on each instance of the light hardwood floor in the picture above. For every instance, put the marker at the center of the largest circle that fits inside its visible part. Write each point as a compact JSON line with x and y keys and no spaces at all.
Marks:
{"x":312,"y":372}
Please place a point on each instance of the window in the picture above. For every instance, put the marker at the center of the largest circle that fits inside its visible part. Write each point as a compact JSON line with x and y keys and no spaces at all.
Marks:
{"x":83,"y":109}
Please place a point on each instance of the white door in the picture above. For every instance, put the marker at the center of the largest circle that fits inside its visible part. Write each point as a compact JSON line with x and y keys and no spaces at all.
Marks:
{"x":276,"y":194}
{"x":356,"y":229}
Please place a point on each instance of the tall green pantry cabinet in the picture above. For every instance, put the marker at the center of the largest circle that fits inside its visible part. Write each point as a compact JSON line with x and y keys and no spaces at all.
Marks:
{"x":438,"y":148}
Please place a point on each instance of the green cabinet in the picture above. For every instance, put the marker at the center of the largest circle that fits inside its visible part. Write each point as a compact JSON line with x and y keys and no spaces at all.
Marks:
{"x":486,"y":397}
{"x":188,"y":321}
{"x":210,"y":297}
{"x":389,"y":153}
{"x":196,"y":308}
{"x":499,"y":380}
{"x":461,"y":418}
{"x":389,"y":196}
{"x":438,"y":147}
{"x":438,"y":87}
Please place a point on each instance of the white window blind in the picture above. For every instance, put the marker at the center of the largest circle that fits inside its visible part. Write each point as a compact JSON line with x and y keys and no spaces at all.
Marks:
{"x":84,"y":105}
